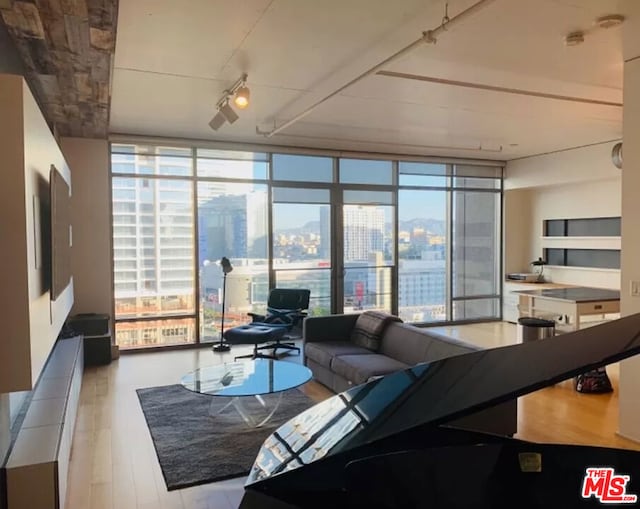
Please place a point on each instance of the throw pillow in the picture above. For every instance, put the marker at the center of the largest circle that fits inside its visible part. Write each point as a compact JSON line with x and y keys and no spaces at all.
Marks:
{"x":369,"y":327}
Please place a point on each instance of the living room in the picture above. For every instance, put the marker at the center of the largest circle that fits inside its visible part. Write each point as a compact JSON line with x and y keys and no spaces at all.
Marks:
{"x":502,"y":89}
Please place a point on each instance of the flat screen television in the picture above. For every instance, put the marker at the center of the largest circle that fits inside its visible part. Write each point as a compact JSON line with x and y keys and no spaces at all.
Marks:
{"x":60,"y":233}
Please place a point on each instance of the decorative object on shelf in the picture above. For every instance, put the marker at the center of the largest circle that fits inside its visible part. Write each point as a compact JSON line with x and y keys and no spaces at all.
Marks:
{"x":538,"y":268}
{"x":226,"y":266}
{"x":616,"y":155}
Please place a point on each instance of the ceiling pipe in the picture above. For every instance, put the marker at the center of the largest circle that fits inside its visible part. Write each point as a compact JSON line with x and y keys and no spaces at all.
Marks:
{"x":428,"y":37}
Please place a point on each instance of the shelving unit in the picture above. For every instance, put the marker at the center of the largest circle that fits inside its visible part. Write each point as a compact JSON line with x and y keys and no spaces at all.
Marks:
{"x":565,"y":244}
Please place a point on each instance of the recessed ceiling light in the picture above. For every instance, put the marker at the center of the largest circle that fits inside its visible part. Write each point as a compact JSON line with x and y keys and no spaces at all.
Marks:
{"x":609,"y":21}
{"x":574,"y":38}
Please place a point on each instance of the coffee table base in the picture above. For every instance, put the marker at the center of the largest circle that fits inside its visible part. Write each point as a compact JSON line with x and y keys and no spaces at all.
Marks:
{"x":253,"y":418}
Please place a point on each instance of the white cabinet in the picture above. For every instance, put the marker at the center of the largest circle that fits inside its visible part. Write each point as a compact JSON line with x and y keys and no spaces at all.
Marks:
{"x":37,"y":468}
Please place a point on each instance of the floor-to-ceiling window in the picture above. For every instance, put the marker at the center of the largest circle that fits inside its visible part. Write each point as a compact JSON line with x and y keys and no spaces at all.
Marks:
{"x":423,"y":242}
{"x":475,"y":271}
{"x":153,"y":234}
{"x":417,"y":238}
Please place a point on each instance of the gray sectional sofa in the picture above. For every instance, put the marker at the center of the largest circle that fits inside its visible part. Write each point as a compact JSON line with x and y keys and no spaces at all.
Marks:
{"x":340,"y":364}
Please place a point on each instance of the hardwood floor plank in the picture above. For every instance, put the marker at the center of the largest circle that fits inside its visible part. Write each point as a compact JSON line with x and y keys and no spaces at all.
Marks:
{"x":101,"y":496}
{"x":101,"y":471}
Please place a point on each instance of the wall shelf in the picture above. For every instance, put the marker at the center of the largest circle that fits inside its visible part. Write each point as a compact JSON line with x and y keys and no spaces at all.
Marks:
{"x":582,"y":243}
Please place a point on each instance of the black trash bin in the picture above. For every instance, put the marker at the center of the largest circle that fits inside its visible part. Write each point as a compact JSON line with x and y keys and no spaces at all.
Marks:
{"x":532,"y":329}
{"x":97,"y":336}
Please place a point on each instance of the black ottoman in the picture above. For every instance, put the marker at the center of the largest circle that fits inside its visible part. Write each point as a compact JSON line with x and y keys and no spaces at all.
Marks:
{"x":254,"y":335}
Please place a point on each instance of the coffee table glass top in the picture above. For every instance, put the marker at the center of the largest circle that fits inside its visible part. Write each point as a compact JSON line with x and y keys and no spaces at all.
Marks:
{"x":247,"y":378}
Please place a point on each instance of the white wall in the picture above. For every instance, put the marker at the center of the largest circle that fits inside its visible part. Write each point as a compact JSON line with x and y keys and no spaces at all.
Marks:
{"x":91,"y":220}
{"x":31,"y":321}
{"x":566,"y":167}
{"x":629,"y":423}
{"x":517,"y":231}
{"x":577,"y":183}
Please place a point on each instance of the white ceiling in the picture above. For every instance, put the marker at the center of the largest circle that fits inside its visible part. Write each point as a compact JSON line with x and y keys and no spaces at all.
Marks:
{"x":174,"y":59}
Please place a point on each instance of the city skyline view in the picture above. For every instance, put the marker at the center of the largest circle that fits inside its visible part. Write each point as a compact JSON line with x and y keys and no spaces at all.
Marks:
{"x":170,"y":232}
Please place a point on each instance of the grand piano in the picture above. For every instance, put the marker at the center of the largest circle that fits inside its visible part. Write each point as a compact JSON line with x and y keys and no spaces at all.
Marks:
{"x":387,"y":443}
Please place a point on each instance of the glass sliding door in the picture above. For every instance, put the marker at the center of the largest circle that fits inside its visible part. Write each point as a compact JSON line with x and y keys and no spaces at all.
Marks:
{"x":422,"y":255}
{"x":232,"y":223}
{"x":423,"y":241}
{"x":302,"y":243}
{"x":302,"y":227}
{"x":368,"y":250}
{"x":232,"y":201}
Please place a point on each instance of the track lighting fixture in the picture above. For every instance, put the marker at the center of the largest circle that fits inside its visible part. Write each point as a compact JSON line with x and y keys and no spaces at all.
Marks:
{"x":240,"y":93}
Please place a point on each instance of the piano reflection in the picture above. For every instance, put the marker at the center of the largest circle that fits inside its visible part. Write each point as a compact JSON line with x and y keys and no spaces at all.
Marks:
{"x":388,"y":443}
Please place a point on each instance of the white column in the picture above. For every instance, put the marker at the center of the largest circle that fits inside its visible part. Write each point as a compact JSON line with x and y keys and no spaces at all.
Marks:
{"x":629,"y":424}
{"x":91,"y":223}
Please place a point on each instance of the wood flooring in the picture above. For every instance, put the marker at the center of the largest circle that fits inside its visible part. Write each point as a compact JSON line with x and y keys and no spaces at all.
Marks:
{"x":114,"y":465}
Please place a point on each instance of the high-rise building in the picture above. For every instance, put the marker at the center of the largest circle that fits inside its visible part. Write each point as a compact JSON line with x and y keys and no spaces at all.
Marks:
{"x":234,"y":226}
{"x":422,"y":290}
{"x":363,"y":232}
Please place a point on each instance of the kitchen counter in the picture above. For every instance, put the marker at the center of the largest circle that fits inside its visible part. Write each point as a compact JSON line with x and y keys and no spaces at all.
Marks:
{"x":575,"y":301}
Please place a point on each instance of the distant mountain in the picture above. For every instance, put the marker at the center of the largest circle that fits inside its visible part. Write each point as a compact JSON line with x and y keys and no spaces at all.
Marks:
{"x":435,"y":226}
{"x":310,"y":227}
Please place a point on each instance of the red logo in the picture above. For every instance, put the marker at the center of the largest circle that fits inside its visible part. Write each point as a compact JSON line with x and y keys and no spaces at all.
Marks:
{"x":608,"y":487}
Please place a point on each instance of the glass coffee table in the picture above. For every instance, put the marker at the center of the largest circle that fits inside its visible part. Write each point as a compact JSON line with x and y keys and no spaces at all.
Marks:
{"x":244,"y":383}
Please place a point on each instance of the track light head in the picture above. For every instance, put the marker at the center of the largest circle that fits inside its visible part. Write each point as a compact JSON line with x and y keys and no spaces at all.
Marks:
{"x":217,"y":121}
{"x":241,"y":99}
{"x":228,"y":113}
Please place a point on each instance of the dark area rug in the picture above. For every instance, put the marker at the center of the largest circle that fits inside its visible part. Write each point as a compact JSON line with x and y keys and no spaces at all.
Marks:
{"x":195,"y":448}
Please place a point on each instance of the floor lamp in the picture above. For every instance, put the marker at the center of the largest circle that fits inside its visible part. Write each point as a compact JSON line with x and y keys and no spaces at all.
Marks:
{"x":221,"y":346}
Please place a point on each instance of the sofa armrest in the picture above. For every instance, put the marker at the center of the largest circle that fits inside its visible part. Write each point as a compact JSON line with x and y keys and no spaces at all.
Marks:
{"x":328,"y":328}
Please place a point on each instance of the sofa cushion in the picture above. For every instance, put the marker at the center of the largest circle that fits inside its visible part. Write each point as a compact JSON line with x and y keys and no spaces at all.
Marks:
{"x":441,"y":347}
{"x":359,"y":368}
{"x":405,"y":343}
{"x":369,"y":327}
{"x":323,"y":352}
{"x":411,"y":345}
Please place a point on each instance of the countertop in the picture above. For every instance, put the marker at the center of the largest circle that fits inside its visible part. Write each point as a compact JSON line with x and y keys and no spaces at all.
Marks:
{"x":574,"y":294}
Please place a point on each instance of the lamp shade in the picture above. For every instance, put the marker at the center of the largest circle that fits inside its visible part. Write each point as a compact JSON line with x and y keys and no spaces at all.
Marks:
{"x":226,"y":265}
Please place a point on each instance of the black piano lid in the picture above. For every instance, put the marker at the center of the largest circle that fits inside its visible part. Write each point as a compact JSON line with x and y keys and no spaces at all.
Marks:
{"x":440,"y":392}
